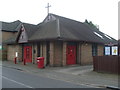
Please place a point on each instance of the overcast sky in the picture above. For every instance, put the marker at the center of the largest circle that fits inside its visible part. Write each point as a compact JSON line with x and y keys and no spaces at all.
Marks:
{"x":101,"y":12}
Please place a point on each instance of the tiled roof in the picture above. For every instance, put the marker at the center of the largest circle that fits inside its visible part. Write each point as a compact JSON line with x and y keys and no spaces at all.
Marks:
{"x":70,"y":30}
{"x":46,"y":31}
{"x":61,"y":28}
{"x":10,"y":27}
{"x":30,"y":29}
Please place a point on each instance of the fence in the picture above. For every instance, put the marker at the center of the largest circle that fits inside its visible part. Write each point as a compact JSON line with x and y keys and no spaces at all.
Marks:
{"x":109,"y":64}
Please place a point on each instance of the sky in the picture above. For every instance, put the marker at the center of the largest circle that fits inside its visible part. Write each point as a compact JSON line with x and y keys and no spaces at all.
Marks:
{"x":101,"y":12}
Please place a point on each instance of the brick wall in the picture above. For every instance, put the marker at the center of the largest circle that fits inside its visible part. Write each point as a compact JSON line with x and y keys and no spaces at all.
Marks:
{"x":12,"y":49}
{"x":5,"y":36}
{"x":100,"y":50}
{"x":19,"y":50}
{"x":58,"y":53}
{"x":78,"y":53}
{"x":4,"y":52}
{"x":86,"y":54}
{"x":44,"y":52}
{"x":64,"y":53}
{"x":51,"y":53}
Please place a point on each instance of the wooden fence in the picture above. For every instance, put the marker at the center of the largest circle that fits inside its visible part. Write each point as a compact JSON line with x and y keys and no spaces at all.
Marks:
{"x":109,"y":64}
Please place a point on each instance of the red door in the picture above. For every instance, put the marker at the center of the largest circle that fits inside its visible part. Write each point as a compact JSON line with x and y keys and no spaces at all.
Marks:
{"x":28,"y":54}
{"x":71,"y":54}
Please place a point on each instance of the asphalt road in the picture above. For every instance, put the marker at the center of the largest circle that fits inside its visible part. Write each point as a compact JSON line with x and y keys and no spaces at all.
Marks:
{"x":13,"y":78}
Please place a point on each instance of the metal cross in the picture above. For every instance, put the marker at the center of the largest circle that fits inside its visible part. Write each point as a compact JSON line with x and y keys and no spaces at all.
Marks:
{"x":48,"y":6}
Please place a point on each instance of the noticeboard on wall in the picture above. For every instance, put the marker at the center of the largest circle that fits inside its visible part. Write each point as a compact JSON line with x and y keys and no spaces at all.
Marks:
{"x":107,"y":50}
{"x":114,"y":50}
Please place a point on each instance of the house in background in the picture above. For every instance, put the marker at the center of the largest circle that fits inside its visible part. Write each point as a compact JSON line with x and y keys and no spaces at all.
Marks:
{"x":8,"y":30}
{"x":61,"y":41}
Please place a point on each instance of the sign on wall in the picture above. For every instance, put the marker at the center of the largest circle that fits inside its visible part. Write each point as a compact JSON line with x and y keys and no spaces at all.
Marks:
{"x":0,"y":47}
{"x":114,"y":50}
{"x":107,"y":50}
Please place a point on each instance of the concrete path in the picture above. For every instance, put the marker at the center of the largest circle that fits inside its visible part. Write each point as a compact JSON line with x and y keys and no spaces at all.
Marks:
{"x":75,"y":74}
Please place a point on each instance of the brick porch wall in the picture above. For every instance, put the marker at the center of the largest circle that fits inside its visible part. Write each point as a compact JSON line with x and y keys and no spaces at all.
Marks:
{"x":12,"y":49}
{"x":51,"y":53}
{"x":44,"y":52}
{"x":100,"y":50}
{"x":56,"y":53}
{"x":58,"y":50}
{"x":78,"y":49}
{"x":86,"y":54}
{"x":64,"y":53}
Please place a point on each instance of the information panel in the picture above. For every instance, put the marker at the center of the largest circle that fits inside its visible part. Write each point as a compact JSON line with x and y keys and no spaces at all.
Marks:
{"x":107,"y":50}
{"x":114,"y":50}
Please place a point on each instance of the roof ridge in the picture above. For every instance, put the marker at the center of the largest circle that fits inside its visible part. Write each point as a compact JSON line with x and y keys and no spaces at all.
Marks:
{"x":15,"y":21}
{"x":57,"y":16}
{"x":58,"y":28}
{"x":29,"y":24}
{"x":10,"y":22}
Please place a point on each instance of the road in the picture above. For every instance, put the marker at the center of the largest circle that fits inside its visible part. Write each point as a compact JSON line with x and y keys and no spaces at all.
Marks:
{"x":13,"y":78}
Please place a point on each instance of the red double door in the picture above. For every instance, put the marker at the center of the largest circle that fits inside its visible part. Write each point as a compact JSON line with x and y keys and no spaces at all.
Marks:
{"x":71,"y":55}
{"x":28,"y":53}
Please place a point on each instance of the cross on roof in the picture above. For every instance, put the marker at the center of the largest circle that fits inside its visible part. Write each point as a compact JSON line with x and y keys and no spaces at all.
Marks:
{"x":48,"y":6}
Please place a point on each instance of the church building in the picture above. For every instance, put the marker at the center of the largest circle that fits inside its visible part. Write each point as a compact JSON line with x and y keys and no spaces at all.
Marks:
{"x":61,"y":41}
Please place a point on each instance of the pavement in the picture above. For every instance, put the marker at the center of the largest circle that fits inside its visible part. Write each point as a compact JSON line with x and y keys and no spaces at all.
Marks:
{"x":81,"y":75}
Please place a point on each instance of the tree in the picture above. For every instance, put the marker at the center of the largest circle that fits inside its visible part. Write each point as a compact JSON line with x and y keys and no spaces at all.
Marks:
{"x":90,"y":23}
{"x":86,"y":21}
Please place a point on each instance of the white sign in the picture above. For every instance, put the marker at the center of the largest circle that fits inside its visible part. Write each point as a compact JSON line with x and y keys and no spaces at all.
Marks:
{"x":0,"y":47}
{"x":114,"y":50}
{"x":107,"y":50}
{"x":16,"y":54}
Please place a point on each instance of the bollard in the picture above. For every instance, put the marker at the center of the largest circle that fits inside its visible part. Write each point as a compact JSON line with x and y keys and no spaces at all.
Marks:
{"x":15,"y":60}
